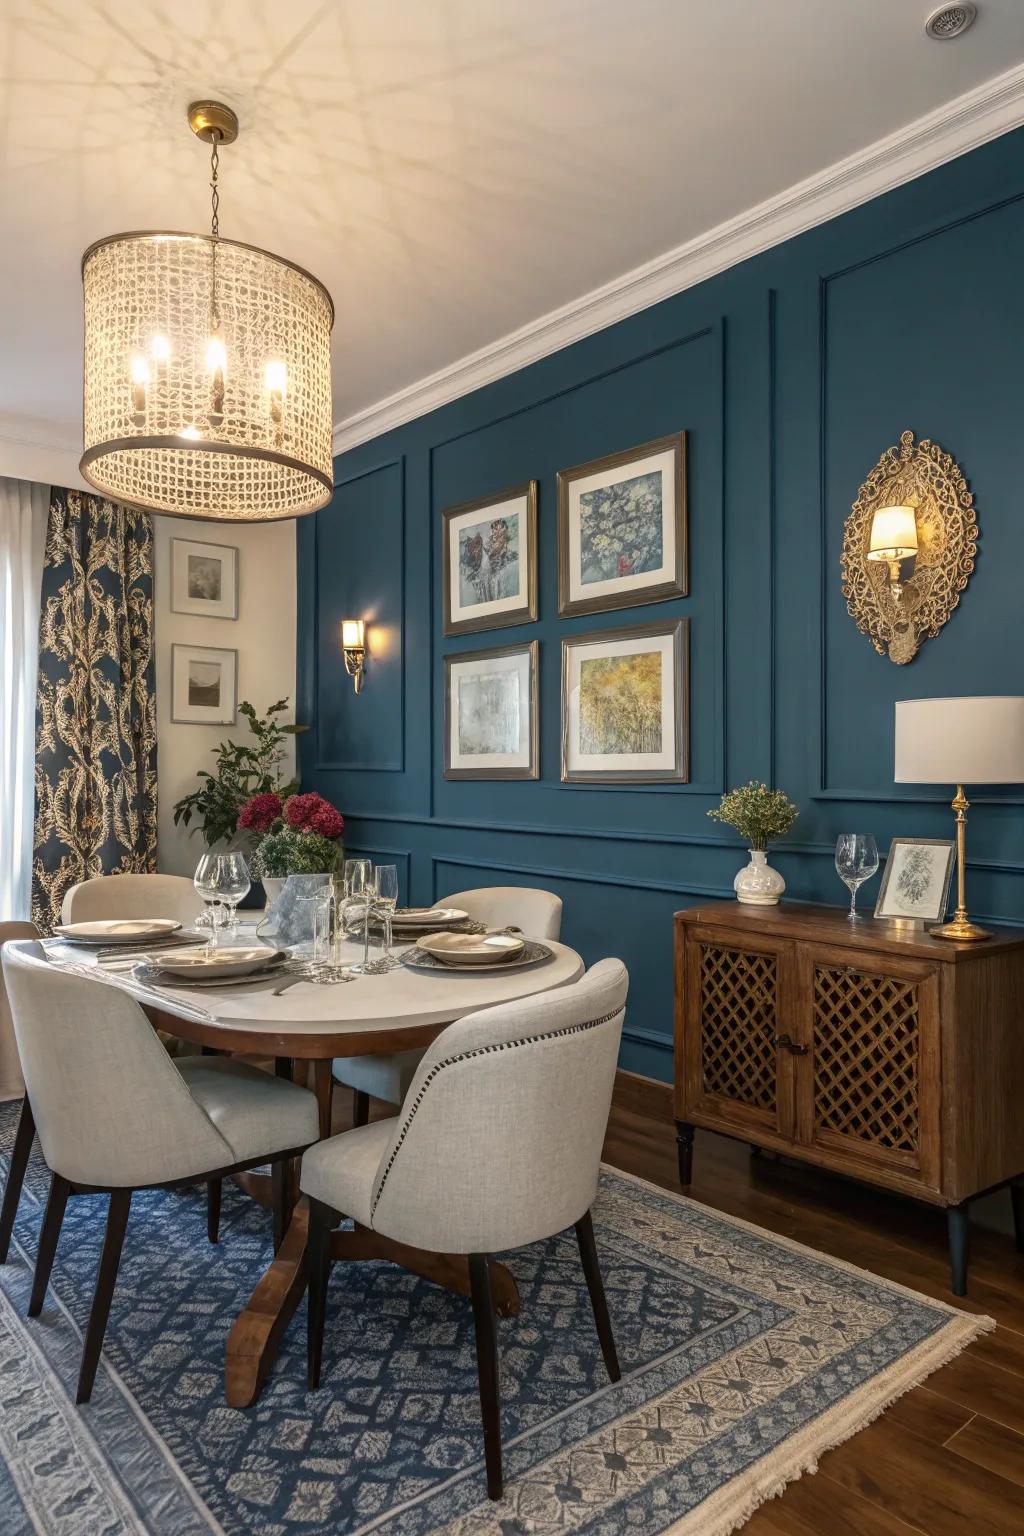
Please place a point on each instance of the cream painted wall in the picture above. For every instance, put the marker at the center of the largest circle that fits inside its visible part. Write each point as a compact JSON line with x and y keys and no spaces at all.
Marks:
{"x":263,"y":635}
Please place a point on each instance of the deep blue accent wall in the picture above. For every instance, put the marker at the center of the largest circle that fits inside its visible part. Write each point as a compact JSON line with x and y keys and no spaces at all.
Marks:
{"x":791,"y":374}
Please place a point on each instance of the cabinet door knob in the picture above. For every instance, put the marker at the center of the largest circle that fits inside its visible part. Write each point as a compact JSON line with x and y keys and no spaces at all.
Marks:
{"x":785,"y":1043}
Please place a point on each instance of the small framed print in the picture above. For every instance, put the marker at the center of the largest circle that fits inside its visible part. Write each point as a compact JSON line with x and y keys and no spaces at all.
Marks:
{"x":622,"y":528}
{"x":490,"y":714}
{"x":204,"y":685}
{"x":915,"y":885}
{"x":204,"y":579}
{"x":625,"y":705}
{"x":490,"y":561}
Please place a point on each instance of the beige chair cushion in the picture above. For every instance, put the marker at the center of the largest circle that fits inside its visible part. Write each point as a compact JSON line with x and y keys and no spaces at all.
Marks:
{"x":499,"y":1139}
{"x":113,"y":896}
{"x":342,"y":1170}
{"x":382,"y":1077}
{"x":12,"y":1084}
{"x":256,"y":1114}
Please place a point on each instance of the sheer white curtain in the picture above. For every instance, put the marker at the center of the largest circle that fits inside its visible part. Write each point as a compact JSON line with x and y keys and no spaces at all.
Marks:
{"x":23,"y":511}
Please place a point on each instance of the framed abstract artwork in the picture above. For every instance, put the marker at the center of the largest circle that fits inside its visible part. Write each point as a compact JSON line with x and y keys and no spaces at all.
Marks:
{"x":915,"y":885}
{"x":625,"y":705}
{"x":490,"y":714}
{"x":490,"y":561}
{"x":204,"y":579}
{"x":622,"y":528}
{"x":204,"y":685}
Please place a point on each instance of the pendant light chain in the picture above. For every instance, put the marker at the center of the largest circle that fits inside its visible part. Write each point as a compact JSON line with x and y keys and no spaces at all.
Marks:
{"x":214,"y":188}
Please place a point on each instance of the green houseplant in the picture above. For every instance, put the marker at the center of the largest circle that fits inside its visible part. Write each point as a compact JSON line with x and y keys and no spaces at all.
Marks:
{"x":761,"y":816}
{"x":242,"y":770}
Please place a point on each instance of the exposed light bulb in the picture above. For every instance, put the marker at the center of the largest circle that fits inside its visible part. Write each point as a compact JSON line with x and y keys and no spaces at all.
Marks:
{"x":160,"y":349}
{"x":140,"y":378}
{"x":216,"y":362}
{"x":216,"y":357}
{"x":277,"y":378}
{"x":192,"y":433}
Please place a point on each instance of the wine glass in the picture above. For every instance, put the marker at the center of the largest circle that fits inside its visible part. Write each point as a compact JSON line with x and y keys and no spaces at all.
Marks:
{"x":205,"y":882}
{"x":856,"y":861}
{"x":222,"y":879}
{"x":358,"y":885}
{"x":385,"y":902}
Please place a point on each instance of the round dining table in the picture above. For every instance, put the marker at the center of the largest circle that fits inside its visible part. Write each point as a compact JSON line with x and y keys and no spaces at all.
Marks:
{"x":308,"y":1025}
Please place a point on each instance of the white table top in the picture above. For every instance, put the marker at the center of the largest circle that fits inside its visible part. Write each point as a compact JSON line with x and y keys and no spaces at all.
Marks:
{"x":398,"y":999}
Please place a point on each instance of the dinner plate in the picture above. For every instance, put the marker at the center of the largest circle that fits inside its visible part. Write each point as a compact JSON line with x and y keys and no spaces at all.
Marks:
{"x":532,"y":953}
{"x":473,"y":948}
{"x":427,"y":917}
{"x":222,"y":963}
{"x":113,"y":930}
{"x":156,"y":976}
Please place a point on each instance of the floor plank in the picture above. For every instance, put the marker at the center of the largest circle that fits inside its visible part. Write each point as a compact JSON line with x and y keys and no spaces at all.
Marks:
{"x":818,"y":1506}
{"x":982,"y":1387}
{"x":991,"y":1445}
{"x":932,"y":1417}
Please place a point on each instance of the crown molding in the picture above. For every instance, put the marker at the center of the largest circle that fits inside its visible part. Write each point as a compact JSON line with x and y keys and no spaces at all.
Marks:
{"x":26,"y":457}
{"x":991,"y":109}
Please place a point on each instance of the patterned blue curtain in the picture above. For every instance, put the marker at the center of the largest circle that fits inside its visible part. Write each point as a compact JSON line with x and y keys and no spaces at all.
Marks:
{"x":95,"y":704}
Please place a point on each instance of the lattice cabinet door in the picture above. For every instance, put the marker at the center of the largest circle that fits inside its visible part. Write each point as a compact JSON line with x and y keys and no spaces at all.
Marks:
{"x":735,"y":990}
{"x":871,"y":1084}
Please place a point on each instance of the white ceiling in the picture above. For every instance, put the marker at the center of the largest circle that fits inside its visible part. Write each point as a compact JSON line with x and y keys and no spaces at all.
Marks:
{"x":451,"y":169}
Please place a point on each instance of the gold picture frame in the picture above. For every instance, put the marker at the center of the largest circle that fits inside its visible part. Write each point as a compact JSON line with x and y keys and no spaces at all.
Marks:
{"x":464,"y":758}
{"x":666,"y":763}
{"x":462,"y":525}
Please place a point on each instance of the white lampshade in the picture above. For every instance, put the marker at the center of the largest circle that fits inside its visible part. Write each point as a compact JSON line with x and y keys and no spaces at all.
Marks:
{"x":352,"y":634}
{"x":960,"y":741}
{"x":893,"y":534}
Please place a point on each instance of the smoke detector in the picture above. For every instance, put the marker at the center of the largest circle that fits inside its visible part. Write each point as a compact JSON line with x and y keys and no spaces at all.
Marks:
{"x":950,"y":21}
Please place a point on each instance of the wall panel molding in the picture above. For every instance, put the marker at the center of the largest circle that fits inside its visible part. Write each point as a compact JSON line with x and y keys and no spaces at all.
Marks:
{"x":991,"y":109}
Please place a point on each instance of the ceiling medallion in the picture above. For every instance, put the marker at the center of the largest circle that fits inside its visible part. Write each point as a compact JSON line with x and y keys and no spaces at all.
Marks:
{"x":207,"y":369}
{"x":920,"y":490}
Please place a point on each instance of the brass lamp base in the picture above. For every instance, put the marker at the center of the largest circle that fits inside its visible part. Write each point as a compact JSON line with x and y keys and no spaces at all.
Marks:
{"x":960,"y":929}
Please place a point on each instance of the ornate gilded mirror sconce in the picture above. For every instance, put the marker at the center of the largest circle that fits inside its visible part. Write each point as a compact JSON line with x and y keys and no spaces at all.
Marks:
{"x":909,"y":547}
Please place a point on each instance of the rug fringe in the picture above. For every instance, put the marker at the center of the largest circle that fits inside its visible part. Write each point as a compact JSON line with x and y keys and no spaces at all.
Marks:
{"x":829,"y":1431}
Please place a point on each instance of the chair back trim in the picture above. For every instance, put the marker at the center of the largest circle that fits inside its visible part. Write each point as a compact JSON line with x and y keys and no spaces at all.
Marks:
{"x":480,"y":1050}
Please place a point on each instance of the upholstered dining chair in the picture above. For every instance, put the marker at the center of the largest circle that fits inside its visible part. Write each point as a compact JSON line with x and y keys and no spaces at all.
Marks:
{"x":497,"y":1145}
{"x":114,"y":896}
{"x":115,"y":1114}
{"x":537,"y":914}
{"x":12,"y":1086}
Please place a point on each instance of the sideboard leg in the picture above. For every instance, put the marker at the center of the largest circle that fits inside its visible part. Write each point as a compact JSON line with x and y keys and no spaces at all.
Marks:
{"x":1017,"y":1196}
{"x":684,"y":1146}
{"x":959,"y":1230}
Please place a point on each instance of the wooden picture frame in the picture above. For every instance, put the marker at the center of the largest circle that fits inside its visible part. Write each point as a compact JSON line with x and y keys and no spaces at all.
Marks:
{"x":204,"y":685}
{"x":670,"y":640}
{"x":933,"y":877}
{"x":649,"y":521}
{"x":204,"y":579}
{"x":465,"y":748}
{"x":468,"y":531}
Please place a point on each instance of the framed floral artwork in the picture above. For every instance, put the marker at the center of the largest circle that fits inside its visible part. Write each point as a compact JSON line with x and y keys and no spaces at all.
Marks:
{"x":490,"y":714}
{"x":622,"y":528}
{"x":490,"y":561}
{"x":625,"y":705}
{"x":915,"y":885}
{"x":204,"y":579}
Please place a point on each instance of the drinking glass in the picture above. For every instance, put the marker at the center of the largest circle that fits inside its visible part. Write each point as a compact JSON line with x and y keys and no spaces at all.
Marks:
{"x":206,"y":884}
{"x":856,"y":861}
{"x":358,"y":878}
{"x":384,"y":904}
{"x":233,"y":880}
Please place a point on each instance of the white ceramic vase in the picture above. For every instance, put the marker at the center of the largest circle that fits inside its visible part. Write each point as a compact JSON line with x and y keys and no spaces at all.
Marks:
{"x":757,"y":884}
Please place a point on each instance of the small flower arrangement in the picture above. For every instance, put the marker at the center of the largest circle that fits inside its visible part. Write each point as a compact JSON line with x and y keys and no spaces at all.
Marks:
{"x":300,"y":835}
{"x":759,"y":814}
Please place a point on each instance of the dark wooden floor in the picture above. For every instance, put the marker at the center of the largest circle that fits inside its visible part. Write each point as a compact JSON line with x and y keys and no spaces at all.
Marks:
{"x":948,"y":1458}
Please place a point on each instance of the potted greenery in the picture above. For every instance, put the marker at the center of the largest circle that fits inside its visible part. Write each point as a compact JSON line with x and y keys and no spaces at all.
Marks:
{"x":761,"y":816}
{"x":242,"y":770}
{"x":299,"y":835}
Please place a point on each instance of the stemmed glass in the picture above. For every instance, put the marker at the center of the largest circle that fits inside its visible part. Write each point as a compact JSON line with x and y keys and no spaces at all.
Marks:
{"x":856,"y":861}
{"x":222,"y":880}
{"x":358,"y":877}
{"x":384,"y":903}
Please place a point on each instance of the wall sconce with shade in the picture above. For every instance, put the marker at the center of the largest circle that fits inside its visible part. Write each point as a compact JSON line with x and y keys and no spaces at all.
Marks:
{"x":914,"y":506}
{"x":353,"y":645}
{"x":977,"y":740}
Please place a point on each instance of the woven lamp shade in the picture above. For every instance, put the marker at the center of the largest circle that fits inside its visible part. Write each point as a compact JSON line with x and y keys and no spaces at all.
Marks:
{"x":239,"y":430}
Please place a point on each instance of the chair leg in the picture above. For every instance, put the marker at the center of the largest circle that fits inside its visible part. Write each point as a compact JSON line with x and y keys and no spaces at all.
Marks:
{"x":16,"y":1175}
{"x":281,"y":1202}
{"x":213,"y":1194}
{"x":487,"y":1368}
{"x":360,"y":1107}
{"x":684,"y":1151}
{"x":48,"y":1235}
{"x":110,"y":1258}
{"x":318,"y":1260}
{"x":595,"y":1285}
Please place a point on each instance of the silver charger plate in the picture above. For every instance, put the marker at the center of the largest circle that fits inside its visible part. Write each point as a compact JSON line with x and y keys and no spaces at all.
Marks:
{"x":155,"y":976}
{"x":532,"y":954}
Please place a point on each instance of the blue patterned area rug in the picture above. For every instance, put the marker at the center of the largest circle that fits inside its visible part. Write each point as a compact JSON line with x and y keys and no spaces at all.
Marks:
{"x":744,"y":1357}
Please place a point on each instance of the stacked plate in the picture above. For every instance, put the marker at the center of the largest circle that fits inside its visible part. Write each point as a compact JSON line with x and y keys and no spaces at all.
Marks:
{"x":475,"y":952}
{"x":425,"y":919}
{"x":114,"y":932}
{"x":222,"y":968}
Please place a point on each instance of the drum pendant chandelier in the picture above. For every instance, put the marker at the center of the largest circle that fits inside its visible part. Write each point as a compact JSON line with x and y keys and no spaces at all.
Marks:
{"x":207,"y":370}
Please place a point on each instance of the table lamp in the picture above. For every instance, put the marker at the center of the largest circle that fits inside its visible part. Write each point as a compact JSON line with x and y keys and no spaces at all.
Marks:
{"x":960,"y":741}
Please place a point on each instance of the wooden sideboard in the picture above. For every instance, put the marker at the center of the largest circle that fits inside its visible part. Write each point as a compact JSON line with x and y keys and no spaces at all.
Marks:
{"x":867,"y":1048}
